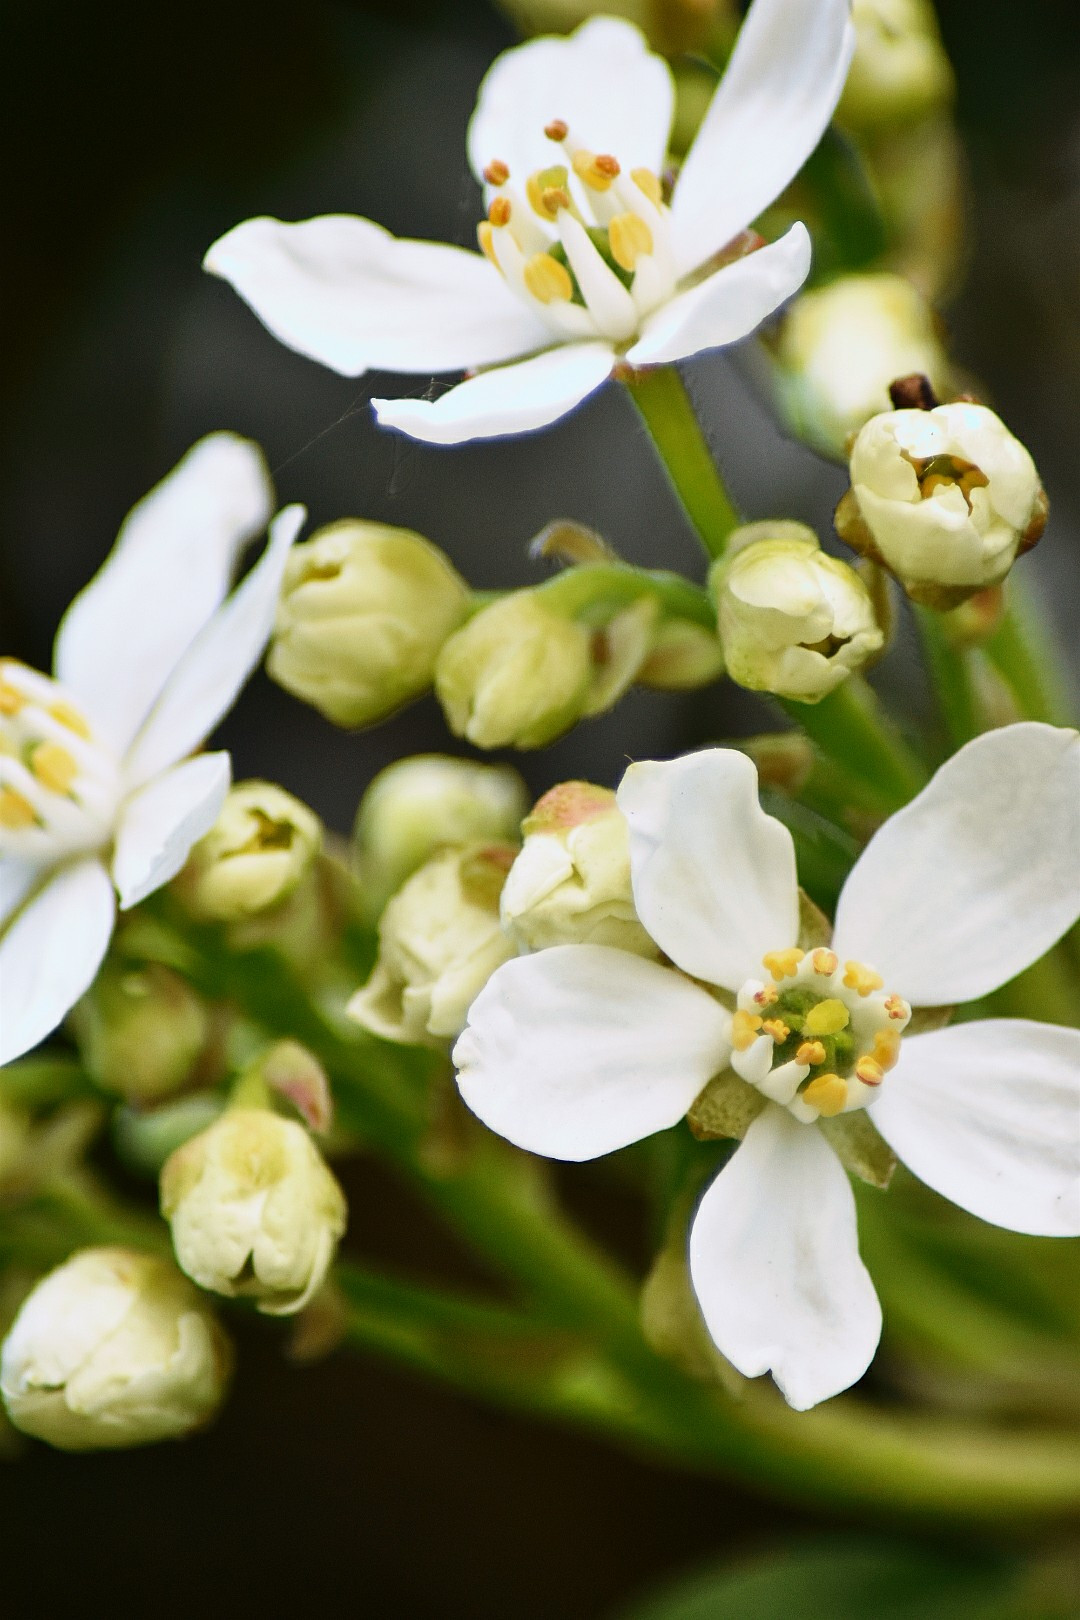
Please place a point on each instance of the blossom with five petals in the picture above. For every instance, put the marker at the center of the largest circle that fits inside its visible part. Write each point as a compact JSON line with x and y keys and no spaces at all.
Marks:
{"x":582,"y":1049}
{"x":97,"y":792}
{"x":584,"y":260}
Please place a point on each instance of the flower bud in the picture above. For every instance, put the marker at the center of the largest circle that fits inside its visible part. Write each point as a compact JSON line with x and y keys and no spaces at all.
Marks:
{"x":518,"y":674}
{"x":900,"y":71}
{"x":254,"y":1209}
{"x":141,"y":1030}
{"x":255,"y":855}
{"x":570,"y":885}
{"x":364,"y":610}
{"x":114,"y":1348}
{"x":842,"y":345}
{"x":419,"y":805}
{"x":944,"y":498}
{"x":439,"y":943}
{"x":793,"y":620}
{"x":683,"y":655}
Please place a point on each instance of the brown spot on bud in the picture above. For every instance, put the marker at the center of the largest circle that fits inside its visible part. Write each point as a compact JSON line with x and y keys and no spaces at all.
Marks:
{"x":914,"y":392}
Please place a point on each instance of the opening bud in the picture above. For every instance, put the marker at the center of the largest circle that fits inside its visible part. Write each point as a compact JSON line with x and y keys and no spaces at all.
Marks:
{"x":900,"y":71}
{"x":141,"y":1030}
{"x":259,"y":850}
{"x":793,"y":621}
{"x":364,"y":611}
{"x":112,"y":1349}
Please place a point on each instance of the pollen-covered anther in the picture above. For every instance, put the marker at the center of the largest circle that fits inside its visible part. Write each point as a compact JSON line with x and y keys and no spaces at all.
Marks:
{"x":15,"y":811}
{"x":69,"y":717}
{"x":824,"y":962}
{"x":897,"y":1008}
{"x":54,"y":767}
{"x":775,"y":1027}
{"x":828,"y":1094}
{"x":554,"y":199}
{"x":869,"y":1072}
{"x":544,"y":190}
{"x":783,"y":964}
{"x":595,"y":171}
{"x":629,"y":239}
{"x":557,"y":130}
{"x":827,"y":1018}
{"x":811,"y":1053}
{"x":649,"y":184}
{"x":886,"y":1049}
{"x":11,"y":699}
{"x":745,"y":1028}
{"x":547,"y":279}
{"x":766,"y":995}
{"x":496,"y":173}
{"x":862,"y":979}
{"x":500,"y":211}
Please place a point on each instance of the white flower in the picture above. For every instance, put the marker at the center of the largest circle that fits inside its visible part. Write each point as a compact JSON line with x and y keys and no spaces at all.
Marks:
{"x":581,"y":1049}
{"x":147,"y":660}
{"x":584,"y":261}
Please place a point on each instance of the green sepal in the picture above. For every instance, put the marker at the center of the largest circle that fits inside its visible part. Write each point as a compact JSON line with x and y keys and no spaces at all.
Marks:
{"x":860,"y":1147}
{"x":727,"y":1107}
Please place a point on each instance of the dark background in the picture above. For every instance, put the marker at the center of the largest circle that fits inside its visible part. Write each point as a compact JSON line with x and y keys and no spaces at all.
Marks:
{"x":135,"y":135}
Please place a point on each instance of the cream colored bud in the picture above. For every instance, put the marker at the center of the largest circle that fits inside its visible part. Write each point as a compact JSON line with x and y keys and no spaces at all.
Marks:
{"x":570,"y":884}
{"x":793,"y":620}
{"x":900,"y":71}
{"x":364,"y":610}
{"x":114,"y":1348}
{"x":141,"y":1030}
{"x":439,"y":943}
{"x":517,"y":674}
{"x":944,"y":498}
{"x":254,"y":1209}
{"x":255,"y":855}
{"x":683,"y":655}
{"x":419,"y":805}
{"x":842,"y":345}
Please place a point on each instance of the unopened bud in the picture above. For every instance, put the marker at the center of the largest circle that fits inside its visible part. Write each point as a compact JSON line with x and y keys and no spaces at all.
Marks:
{"x":254,"y":1209}
{"x":900,"y":71}
{"x":793,"y":620}
{"x":946,"y":499}
{"x":517,"y":674}
{"x":141,"y":1030}
{"x":439,"y":943}
{"x":570,"y":884}
{"x":114,"y":1348}
{"x":364,"y":610}
{"x":255,"y":855}
{"x":419,"y":805}
{"x":683,"y":655}
{"x":842,"y":345}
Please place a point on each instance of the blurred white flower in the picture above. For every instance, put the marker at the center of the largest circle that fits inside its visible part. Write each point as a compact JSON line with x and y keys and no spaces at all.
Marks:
{"x":584,"y":262}
{"x":582,"y":1049}
{"x":96,"y":790}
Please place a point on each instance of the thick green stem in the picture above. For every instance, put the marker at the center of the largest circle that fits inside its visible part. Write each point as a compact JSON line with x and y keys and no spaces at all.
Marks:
{"x":1022,"y":651}
{"x":604,"y":588}
{"x":851,"y":727}
{"x":950,"y":672}
{"x":664,"y":404}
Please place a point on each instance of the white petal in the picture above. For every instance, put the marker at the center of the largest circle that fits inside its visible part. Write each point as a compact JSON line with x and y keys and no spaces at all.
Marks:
{"x":208,"y":679}
{"x":977,"y":876}
{"x":169,"y":569}
{"x":727,"y":305}
{"x":345,"y":292}
{"x":18,"y":879}
{"x":510,"y":399}
{"x":988,"y":1114}
{"x":779,"y":91}
{"x":51,"y":952}
{"x":774,"y":1260}
{"x":159,"y":824}
{"x":582,"y":1049}
{"x":603,"y":81}
{"x":714,"y":876}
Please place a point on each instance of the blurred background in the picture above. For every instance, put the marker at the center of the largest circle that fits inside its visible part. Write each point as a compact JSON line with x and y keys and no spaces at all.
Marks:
{"x":136,"y":135}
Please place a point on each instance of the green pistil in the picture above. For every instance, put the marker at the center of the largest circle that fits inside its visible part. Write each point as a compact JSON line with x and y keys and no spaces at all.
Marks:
{"x":793,"y":1007}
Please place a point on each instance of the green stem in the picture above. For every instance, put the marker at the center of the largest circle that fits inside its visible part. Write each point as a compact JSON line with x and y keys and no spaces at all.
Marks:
{"x":950,"y":672}
{"x":1022,"y":651}
{"x":604,"y":588}
{"x":665,"y":407}
{"x":851,"y":727}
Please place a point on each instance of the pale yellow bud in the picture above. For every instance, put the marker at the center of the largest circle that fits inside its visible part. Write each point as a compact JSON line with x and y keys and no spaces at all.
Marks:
{"x":419,"y":805}
{"x":114,"y":1348}
{"x":793,"y":620}
{"x":517,"y":674}
{"x":944,"y":498}
{"x":439,"y":943}
{"x":254,"y":1209}
{"x":842,"y":345}
{"x":570,"y":884}
{"x":141,"y":1030}
{"x":900,"y":71}
{"x":255,"y":855}
{"x":364,"y":610}
{"x":683,"y":655}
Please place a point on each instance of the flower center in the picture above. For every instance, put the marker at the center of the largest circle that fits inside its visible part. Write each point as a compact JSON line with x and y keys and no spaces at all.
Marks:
{"x":585,"y":243}
{"x":59,"y":786}
{"x":819,"y":1035}
{"x":945,"y":472}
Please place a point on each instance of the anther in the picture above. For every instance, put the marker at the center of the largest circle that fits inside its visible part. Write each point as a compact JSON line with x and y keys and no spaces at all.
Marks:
{"x":557,"y":130}
{"x":15,"y":811}
{"x":547,"y":279}
{"x":782,"y":964}
{"x":543,"y":182}
{"x":824,"y":962}
{"x":766,"y":995}
{"x":595,"y":172}
{"x":886,"y":1048}
{"x":744,"y":1030}
{"x":71,"y":718}
{"x":54,"y":767}
{"x":553,"y":199}
{"x":496,"y":173}
{"x":776,"y":1028}
{"x":11,"y":700}
{"x":828,"y":1094}
{"x":648,"y":183}
{"x":869,"y":1072}
{"x":897,"y":1008}
{"x":629,"y":239}
{"x":499,"y":212}
{"x":811,"y":1053}
{"x":827,"y":1018}
{"x":863,"y":979}
{"x":485,"y":235}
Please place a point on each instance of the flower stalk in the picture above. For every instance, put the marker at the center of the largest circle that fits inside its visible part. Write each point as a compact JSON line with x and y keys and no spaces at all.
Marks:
{"x":664,"y":404}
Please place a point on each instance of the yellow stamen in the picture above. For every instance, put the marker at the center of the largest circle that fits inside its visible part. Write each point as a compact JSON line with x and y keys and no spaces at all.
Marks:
{"x":554,"y":199}
{"x":547,"y":279}
{"x":15,"y":811}
{"x":496,"y":173}
{"x":824,"y":962}
{"x":485,"y":235}
{"x":766,"y":995}
{"x":71,"y":718}
{"x":857,"y":976}
{"x":828,"y":1094}
{"x":776,"y":1028}
{"x":886,"y":1049}
{"x":744,"y":1030}
{"x":500,"y":210}
{"x":629,"y":239}
{"x":647,"y":182}
{"x":595,"y":172}
{"x":557,"y":130}
{"x":545,"y":181}
{"x":827,"y":1018}
{"x":869,"y":1072}
{"x":783,"y":964}
{"x":811,"y":1053}
{"x":897,"y":1007}
{"x":11,"y":700}
{"x":54,"y":767}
